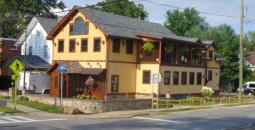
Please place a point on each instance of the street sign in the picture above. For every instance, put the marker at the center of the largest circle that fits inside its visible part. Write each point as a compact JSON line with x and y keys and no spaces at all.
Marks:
{"x":156,"y":78}
{"x":62,"y":69}
{"x":16,"y":66}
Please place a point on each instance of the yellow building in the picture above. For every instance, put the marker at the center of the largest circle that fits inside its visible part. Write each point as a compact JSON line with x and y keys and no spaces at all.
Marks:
{"x":106,"y":54}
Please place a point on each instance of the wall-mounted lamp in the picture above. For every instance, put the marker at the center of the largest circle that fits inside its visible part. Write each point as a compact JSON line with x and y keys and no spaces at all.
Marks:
{"x":77,"y":43}
{"x":55,"y":43}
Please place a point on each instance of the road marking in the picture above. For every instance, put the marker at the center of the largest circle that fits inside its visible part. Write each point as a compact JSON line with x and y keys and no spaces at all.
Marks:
{"x":242,"y":106}
{"x":20,"y":119}
{"x":155,"y":119}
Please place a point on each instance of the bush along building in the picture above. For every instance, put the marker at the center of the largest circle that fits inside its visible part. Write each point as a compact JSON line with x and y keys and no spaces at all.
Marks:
{"x":113,"y":56}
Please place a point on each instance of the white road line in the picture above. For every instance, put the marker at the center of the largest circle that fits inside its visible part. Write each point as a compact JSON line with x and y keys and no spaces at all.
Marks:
{"x":160,"y":120}
{"x":20,"y":119}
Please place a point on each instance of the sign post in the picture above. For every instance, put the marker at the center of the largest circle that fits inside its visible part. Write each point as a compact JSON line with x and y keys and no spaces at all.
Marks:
{"x":16,"y":66}
{"x":156,"y":79}
{"x":61,"y":69}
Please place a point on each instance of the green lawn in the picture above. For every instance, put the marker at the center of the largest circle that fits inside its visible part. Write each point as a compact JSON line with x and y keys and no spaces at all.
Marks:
{"x":4,"y":97}
{"x":9,"y":110}
{"x":41,"y":106}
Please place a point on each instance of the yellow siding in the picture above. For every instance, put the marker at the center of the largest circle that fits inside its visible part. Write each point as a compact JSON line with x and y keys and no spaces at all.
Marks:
{"x":94,"y":32}
{"x":127,"y":76}
{"x":215,"y":79}
{"x":122,"y":56}
{"x":145,"y":88}
{"x":180,"y":89}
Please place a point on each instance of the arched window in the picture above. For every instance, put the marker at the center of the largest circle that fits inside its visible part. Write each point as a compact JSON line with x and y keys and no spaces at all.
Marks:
{"x":80,"y":27}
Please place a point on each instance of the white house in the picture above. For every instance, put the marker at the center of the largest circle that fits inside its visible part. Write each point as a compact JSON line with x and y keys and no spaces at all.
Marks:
{"x":34,"y":44}
{"x":35,"y":38}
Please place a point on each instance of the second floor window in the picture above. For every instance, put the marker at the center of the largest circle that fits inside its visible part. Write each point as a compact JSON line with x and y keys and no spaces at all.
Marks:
{"x":30,"y":50}
{"x":79,"y":27}
{"x":61,"y":46}
{"x":129,"y":47}
{"x":116,"y":45}
{"x":84,"y":45}
{"x":97,"y":45}
{"x":210,"y":54}
{"x":72,"y":46}
{"x":45,"y":51}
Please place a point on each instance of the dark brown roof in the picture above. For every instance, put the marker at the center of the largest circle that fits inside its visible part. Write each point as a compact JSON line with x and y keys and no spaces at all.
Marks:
{"x":251,"y":58}
{"x":74,"y":67}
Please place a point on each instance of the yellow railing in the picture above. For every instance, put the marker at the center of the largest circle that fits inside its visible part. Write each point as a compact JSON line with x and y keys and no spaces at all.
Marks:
{"x":198,"y":101}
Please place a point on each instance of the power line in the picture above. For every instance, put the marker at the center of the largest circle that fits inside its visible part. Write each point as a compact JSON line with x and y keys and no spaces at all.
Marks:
{"x":200,"y":11}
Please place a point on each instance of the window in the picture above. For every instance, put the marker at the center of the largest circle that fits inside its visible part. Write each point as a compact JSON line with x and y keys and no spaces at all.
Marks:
{"x":115,"y":83}
{"x":116,"y":45}
{"x":146,"y":77}
{"x":84,"y":45}
{"x":30,"y":50}
{"x":167,"y":77}
{"x":72,"y":45}
{"x":210,"y":75}
{"x":211,"y":54}
{"x":184,"y":78}
{"x":97,"y":45}
{"x":129,"y":47}
{"x":61,"y":46}
{"x":80,"y":27}
{"x":38,"y":33}
{"x":199,"y":78}
{"x":71,"y":31}
{"x":191,"y":78}
{"x":176,"y":78}
{"x":45,"y":51}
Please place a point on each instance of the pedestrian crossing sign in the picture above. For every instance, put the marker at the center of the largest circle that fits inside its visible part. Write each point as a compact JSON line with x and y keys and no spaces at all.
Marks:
{"x":16,"y":66}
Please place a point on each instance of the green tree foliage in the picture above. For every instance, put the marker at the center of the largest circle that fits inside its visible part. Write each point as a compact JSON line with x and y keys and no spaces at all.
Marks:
{"x":181,"y":22}
{"x":15,"y":14}
{"x":122,"y":7}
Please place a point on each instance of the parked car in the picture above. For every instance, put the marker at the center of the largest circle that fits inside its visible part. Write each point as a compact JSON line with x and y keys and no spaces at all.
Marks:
{"x":248,"y":88}
{"x":46,"y":91}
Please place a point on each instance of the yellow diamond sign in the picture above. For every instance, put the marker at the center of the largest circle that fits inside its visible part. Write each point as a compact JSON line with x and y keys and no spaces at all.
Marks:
{"x":16,"y":66}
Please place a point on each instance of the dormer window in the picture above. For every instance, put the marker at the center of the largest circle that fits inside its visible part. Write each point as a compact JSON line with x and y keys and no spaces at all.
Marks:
{"x":79,"y":27}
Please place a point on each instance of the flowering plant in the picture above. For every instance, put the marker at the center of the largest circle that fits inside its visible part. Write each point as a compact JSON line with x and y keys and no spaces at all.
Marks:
{"x":206,"y":92}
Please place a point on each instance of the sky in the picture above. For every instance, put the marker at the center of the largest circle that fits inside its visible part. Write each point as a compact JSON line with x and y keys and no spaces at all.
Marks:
{"x":227,"y":11}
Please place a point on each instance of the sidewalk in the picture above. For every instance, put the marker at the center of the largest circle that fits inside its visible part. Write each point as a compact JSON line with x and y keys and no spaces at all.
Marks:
{"x":105,"y":115}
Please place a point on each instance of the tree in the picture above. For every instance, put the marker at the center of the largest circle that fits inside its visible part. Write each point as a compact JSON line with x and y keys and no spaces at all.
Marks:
{"x":15,"y":14}
{"x":181,"y":22}
{"x":122,"y":7}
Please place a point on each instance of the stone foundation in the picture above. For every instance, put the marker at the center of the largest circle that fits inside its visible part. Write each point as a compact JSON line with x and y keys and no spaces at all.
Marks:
{"x":93,"y":106}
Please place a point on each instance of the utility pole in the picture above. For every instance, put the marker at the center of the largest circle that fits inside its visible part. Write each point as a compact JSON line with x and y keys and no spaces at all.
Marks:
{"x":241,"y":52}
{"x":25,"y":54}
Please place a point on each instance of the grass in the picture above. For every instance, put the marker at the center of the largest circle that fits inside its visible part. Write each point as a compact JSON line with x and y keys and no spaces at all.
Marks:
{"x":4,"y":97}
{"x":9,"y":110}
{"x":40,"y":106}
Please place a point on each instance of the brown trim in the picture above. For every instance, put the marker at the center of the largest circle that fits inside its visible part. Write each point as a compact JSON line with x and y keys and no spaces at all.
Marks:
{"x":82,"y":60}
{"x":62,"y":23}
{"x":149,"y":62}
{"x":122,"y":62}
{"x":186,"y":66}
{"x":148,"y":36}
{"x":213,"y":68}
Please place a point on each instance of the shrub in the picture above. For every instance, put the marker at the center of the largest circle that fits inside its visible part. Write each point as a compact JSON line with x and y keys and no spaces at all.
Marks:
{"x":148,"y":46}
{"x":206,"y":92}
{"x":23,"y":98}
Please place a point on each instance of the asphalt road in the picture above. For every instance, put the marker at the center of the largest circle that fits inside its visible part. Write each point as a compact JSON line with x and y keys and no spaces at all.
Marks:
{"x":228,"y":118}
